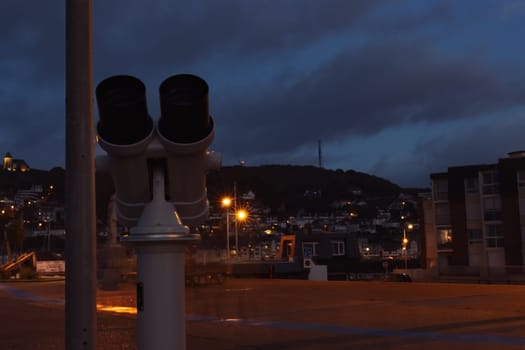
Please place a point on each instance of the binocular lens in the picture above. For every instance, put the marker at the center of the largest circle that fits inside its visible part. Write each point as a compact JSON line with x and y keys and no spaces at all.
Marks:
{"x":123,"y":112}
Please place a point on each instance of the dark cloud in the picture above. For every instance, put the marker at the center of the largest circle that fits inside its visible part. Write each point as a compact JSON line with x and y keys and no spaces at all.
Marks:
{"x":395,"y":19}
{"x":282,"y":74}
{"x":175,"y":33}
{"x":33,"y":41}
{"x":32,"y":62}
{"x":364,"y":92}
{"x":479,"y":143}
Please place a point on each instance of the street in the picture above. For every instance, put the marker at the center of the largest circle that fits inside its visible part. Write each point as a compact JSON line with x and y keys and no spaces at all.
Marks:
{"x":288,"y":314}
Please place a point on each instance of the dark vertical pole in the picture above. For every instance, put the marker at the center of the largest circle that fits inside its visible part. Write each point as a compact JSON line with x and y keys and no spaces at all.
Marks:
{"x":80,"y":180}
{"x":319,"y":154}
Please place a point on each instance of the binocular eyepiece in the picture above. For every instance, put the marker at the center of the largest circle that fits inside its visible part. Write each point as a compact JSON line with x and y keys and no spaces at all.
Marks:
{"x":123,"y":112}
{"x":179,"y":140}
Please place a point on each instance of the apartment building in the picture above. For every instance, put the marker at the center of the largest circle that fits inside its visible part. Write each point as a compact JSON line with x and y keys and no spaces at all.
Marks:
{"x":475,"y":219}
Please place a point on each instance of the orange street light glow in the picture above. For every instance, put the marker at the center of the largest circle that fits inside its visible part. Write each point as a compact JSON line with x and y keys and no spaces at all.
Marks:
{"x":226,"y":202}
{"x":241,"y":214}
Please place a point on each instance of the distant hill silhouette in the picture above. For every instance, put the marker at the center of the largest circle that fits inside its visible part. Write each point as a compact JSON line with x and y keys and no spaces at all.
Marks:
{"x":10,"y":181}
{"x":285,"y":189}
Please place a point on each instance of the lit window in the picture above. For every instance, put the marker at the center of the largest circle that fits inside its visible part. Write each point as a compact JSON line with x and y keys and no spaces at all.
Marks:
{"x":338,"y":248}
{"x":444,"y":239}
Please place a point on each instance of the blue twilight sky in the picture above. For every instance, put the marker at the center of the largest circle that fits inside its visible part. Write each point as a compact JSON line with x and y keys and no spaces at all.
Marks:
{"x":397,"y":89}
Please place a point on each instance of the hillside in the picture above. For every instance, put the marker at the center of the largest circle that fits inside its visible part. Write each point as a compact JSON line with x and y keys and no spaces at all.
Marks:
{"x":284,"y":189}
{"x":12,"y":181}
{"x":288,"y":189}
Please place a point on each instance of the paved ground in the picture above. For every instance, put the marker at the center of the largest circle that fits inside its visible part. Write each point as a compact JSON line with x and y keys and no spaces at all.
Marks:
{"x":285,"y":314}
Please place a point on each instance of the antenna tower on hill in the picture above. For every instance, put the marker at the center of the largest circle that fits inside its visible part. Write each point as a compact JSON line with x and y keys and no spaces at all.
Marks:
{"x":319,"y":154}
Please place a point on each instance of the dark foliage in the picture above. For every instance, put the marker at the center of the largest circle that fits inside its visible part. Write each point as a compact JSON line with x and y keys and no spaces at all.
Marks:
{"x":288,"y":189}
{"x":11,"y":181}
{"x":285,"y":189}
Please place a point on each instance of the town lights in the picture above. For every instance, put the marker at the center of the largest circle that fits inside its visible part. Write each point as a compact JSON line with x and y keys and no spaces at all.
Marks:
{"x":241,"y":215}
{"x":159,"y":173}
{"x":226,"y":202}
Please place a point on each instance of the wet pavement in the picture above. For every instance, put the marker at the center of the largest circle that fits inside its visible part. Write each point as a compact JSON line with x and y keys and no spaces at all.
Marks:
{"x":286,"y":314}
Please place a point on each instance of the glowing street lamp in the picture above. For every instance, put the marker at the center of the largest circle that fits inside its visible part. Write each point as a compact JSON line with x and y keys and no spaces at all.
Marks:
{"x":240,"y":216}
{"x":226,"y":203}
{"x":405,"y":242}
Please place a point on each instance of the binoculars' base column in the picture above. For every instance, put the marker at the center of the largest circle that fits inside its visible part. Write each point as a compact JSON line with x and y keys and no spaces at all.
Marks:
{"x":161,"y":296}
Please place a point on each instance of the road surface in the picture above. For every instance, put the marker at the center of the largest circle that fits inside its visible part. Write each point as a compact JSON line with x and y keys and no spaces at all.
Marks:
{"x":288,"y":314}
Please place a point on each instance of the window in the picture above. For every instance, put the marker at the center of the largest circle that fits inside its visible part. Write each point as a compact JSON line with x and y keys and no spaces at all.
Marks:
{"x":492,"y":208}
{"x":444,"y":238}
{"x":338,"y":248}
{"x":442,"y":211}
{"x":473,"y":210}
{"x":472,"y":185}
{"x":474,"y":236}
{"x":521,"y":202}
{"x":490,"y":177}
{"x":312,"y":246}
{"x":441,"y":190}
{"x":521,"y":178}
{"x":492,"y":203}
{"x":490,"y":182}
{"x":494,"y":235}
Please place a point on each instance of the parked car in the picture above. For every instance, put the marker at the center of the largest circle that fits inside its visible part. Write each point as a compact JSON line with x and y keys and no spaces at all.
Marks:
{"x":397,"y":277}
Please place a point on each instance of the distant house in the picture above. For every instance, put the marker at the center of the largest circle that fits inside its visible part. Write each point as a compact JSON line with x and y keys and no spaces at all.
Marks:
{"x":11,"y":164}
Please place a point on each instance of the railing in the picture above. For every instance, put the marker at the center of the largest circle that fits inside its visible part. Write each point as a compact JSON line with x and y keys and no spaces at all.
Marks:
{"x":19,"y":260}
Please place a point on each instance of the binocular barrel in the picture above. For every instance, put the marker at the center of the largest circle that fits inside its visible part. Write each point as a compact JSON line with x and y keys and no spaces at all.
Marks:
{"x":123,"y":112}
{"x":179,"y":140}
{"x":184,"y":106}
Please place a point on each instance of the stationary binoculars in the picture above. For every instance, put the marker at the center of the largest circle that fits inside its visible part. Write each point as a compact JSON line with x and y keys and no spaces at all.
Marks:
{"x":177,"y":143}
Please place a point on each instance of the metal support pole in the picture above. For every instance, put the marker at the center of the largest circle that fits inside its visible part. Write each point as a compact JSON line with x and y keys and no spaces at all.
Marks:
{"x":160,"y":240}
{"x":236,"y":238}
{"x":227,"y":233}
{"x":405,"y":250}
{"x":48,"y":235}
{"x":80,"y":320}
{"x":161,"y":297}
{"x":235,"y":215}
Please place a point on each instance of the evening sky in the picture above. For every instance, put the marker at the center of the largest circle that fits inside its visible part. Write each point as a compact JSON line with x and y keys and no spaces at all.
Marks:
{"x":397,"y":89}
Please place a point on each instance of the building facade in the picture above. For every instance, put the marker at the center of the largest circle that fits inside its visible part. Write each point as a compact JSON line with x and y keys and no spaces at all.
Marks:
{"x":10,"y":164}
{"x":475,"y":219}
